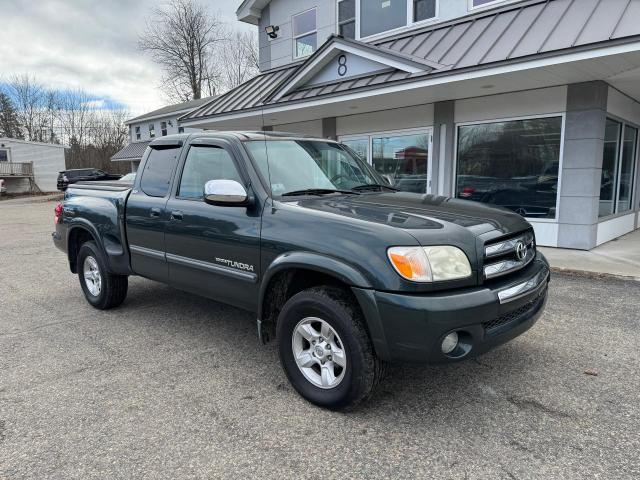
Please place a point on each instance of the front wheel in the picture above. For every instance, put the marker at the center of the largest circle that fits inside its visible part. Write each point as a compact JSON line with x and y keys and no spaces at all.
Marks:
{"x":325,"y":349}
{"x":101,"y":288}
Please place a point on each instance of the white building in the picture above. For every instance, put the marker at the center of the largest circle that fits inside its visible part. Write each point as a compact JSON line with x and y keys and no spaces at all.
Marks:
{"x":532,"y":105}
{"x":158,"y":123}
{"x":23,"y":164}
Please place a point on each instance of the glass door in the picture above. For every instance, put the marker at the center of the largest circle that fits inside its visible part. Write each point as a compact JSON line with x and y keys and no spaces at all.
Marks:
{"x":402,"y":157}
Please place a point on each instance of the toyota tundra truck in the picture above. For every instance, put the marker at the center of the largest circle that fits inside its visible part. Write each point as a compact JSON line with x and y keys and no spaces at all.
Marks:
{"x":343,"y":270}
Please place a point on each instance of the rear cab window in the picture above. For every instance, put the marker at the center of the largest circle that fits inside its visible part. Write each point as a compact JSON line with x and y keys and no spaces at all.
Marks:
{"x":158,"y":170}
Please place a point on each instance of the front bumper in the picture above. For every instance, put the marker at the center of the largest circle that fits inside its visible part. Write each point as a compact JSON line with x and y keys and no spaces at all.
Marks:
{"x":410,"y":328}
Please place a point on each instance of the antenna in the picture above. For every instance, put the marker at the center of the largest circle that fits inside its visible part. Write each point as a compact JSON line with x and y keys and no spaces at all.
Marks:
{"x":264,"y":135}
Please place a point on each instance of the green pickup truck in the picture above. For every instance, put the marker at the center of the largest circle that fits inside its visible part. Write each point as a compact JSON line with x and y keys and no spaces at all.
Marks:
{"x":344,"y":270}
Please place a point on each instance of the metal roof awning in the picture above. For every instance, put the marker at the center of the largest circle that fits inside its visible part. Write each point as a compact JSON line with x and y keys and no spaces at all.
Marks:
{"x":523,"y":45}
{"x":132,"y":152}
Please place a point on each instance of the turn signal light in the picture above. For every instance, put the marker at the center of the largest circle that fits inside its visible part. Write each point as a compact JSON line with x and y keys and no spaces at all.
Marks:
{"x":430,"y":264}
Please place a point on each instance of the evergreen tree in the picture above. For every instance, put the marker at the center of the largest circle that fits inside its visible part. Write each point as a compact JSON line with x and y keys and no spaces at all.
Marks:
{"x":9,"y":124}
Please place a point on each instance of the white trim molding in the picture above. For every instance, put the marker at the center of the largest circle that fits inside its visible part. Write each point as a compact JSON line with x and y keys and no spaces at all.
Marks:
{"x":337,"y":46}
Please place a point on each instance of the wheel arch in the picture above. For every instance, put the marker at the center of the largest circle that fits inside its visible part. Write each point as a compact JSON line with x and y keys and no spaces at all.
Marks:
{"x":110,"y":246}
{"x":293,"y":272}
{"x":78,"y":234}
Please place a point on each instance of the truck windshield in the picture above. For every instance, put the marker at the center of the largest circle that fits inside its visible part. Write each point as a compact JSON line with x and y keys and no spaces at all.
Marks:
{"x":296,"y":166}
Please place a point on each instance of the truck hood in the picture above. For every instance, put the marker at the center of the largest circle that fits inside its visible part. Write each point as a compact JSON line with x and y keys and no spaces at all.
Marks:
{"x":428,"y":218}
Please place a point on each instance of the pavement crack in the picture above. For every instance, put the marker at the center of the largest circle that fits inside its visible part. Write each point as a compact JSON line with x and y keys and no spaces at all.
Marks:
{"x":533,"y":404}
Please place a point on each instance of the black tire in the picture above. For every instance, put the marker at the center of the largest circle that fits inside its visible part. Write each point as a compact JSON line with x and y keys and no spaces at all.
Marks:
{"x":113,"y":289}
{"x":364,"y":369}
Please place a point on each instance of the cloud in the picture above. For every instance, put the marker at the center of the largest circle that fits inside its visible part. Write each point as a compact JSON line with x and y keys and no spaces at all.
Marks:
{"x":88,"y":44}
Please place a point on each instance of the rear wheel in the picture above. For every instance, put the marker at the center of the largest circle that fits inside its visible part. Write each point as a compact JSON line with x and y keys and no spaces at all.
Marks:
{"x":101,"y":288}
{"x":325,"y":349}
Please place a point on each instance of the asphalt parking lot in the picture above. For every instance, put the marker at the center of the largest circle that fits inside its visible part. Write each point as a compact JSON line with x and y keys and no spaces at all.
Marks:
{"x":174,"y":386}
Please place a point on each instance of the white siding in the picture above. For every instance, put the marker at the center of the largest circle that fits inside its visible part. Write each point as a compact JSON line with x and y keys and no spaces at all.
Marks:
{"x":277,"y":52}
{"x":508,"y":105}
{"x":47,"y":160}
{"x":395,"y":119}
{"x":313,"y":127}
{"x":614,"y":228}
{"x":623,"y":107}
{"x":280,"y":13}
{"x":144,"y":128}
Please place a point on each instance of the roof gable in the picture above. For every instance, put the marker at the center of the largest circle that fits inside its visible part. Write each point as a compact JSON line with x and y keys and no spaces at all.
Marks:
{"x":340,"y":59}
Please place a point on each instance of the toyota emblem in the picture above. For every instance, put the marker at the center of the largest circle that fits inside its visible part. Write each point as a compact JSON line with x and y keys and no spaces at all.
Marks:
{"x":521,"y":251}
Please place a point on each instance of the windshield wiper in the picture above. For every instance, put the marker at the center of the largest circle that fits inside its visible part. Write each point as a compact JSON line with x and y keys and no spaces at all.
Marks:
{"x":374,"y":186}
{"x":317,"y":191}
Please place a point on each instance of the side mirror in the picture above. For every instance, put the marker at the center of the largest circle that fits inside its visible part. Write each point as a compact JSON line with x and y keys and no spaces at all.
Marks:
{"x":223,"y":193}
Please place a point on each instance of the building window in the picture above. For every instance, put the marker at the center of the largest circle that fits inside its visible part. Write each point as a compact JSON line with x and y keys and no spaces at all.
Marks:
{"x":347,"y":18}
{"x":305,"y":36}
{"x":163,"y":129}
{"x":4,"y":155}
{"x":180,"y":129}
{"x":401,"y":157}
{"x":512,"y":164}
{"x":138,"y":135}
{"x":423,"y":10}
{"x":360,"y":146}
{"x":152,"y":130}
{"x":378,"y":16}
{"x":482,"y":3}
{"x":403,"y":160}
{"x":618,"y":162}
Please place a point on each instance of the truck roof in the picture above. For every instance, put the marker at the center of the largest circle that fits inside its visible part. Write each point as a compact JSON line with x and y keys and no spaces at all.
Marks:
{"x":242,"y":135}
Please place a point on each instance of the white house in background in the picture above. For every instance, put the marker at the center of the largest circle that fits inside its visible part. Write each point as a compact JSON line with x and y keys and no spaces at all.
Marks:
{"x":30,"y":166}
{"x":158,"y":123}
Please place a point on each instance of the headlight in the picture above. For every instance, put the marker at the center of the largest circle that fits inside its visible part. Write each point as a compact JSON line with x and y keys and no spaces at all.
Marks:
{"x":430,"y":264}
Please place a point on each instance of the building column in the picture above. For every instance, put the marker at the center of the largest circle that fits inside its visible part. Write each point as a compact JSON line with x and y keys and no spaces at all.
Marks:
{"x":582,"y":165}
{"x":329,"y":128}
{"x":443,"y":148}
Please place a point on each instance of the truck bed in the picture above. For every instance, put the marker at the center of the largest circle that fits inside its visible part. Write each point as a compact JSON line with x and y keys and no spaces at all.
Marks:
{"x":107,"y":185}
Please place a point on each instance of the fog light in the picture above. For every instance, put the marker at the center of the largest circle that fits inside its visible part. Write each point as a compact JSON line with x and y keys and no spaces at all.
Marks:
{"x":449,"y":343}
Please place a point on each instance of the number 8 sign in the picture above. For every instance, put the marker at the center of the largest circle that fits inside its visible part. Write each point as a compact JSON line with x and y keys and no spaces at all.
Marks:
{"x":342,"y":65}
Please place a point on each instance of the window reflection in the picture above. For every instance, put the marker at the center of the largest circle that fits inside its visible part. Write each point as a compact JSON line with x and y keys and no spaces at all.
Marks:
{"x":359,"y":146}
{"x":403,"y":160}
{"x":627,"y":163}
{"x":609,"y":164}
{"x":616,"y":182}
{"x":511,"y":164}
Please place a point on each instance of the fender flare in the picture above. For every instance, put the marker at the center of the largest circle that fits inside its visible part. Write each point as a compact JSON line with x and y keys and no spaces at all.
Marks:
{"x":311,"y":261}
{"x":109,"y":249}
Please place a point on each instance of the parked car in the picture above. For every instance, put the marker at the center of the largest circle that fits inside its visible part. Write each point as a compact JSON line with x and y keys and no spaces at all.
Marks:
{"x":345,"y":271}
{"x":68,"y":177}
{"x":3,"y":189}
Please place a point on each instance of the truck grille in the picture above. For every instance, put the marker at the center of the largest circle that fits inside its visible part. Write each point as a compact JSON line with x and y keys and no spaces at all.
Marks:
{"x":508,"y":255}
{"x":523,"y":312}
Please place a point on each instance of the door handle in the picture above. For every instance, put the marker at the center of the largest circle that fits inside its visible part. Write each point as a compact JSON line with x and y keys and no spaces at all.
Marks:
{"x":154,"y":212}
{"x":176,"y":215}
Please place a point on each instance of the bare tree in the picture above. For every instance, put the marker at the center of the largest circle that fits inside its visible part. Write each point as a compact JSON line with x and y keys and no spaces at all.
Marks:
{"x":73,"y":114}
{"x":32,"y":105}
{"x":181,"y":38}
{"x":239,"y":57}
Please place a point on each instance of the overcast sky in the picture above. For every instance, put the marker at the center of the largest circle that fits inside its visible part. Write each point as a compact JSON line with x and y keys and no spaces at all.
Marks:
{"x":88,"y":44}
